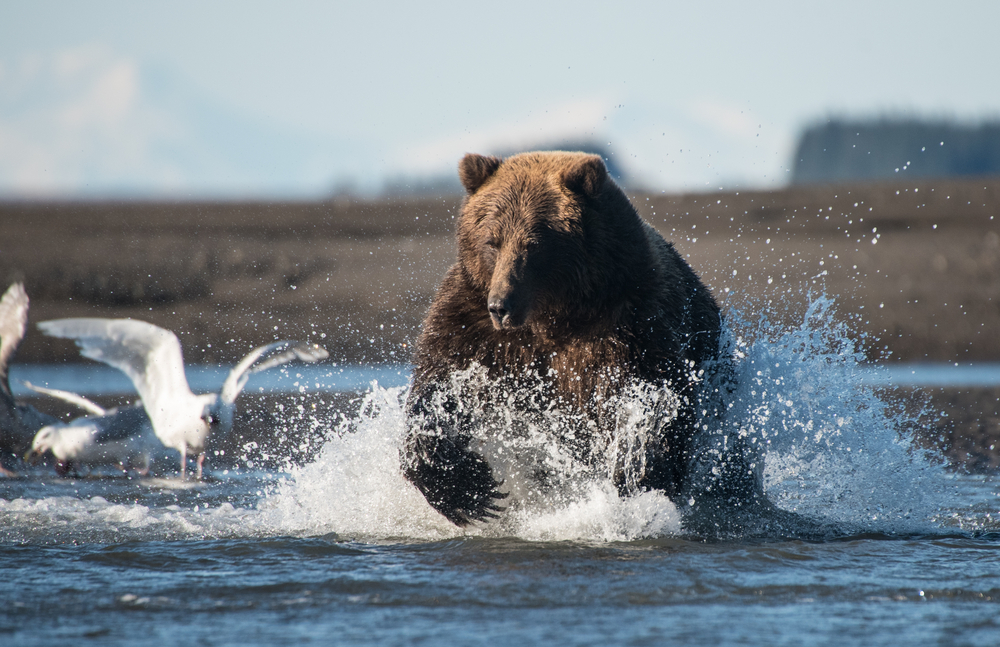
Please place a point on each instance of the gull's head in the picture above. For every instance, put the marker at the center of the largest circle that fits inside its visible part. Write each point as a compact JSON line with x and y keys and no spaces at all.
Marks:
{"x":44,"y":441}
{"x":218,"y":415}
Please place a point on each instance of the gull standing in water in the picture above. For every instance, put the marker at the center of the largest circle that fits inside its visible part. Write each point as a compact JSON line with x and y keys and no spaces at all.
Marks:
{"x":122,"y":437}
{"x":18,"y":423}
{"x":151,"y":357}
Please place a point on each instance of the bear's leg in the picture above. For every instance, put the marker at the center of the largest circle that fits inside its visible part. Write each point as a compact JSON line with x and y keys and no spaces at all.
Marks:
{"x":456,"y":481}
{"x":667,"y":458}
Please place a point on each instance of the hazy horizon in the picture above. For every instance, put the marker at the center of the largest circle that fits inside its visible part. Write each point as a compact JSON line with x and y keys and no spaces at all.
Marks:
{"x":298,"y":100}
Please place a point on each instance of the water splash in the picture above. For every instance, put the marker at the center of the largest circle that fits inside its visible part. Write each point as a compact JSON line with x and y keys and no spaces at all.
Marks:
{"x":833,"y":450}
{"x":355,"y":486}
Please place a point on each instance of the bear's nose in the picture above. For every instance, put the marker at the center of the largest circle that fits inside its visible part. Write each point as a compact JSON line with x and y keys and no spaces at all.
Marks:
{"x":498,"y":312}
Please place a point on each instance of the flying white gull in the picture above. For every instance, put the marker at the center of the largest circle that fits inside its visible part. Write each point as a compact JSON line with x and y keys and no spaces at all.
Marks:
{"x":18,"y":423}
{"x":151,"y":357}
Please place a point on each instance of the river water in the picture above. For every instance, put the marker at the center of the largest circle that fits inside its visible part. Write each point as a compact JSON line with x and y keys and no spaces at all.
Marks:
{"x":341,"y":550}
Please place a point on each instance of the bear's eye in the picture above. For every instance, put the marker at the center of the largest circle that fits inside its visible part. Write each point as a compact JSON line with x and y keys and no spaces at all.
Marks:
{"x":492,"y":243}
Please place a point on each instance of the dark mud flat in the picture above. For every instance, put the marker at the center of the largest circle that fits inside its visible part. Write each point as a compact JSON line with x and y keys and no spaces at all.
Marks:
{"x":915,"y":269}
{"x":227,"y":276}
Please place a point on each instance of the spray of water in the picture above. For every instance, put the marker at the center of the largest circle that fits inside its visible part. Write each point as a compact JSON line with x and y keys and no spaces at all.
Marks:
{"x":833,"y":451}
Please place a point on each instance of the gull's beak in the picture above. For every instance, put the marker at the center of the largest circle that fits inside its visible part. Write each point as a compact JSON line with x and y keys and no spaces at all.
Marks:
{"x":31,"y":456}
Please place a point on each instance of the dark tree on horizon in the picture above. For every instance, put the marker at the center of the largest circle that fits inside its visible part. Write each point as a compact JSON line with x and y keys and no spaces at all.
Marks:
{"x":847,"y":151}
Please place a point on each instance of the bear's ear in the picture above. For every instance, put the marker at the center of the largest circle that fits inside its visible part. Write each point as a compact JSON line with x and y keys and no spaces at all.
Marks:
{"x":474,"y":170}
{"x":586,"y":176}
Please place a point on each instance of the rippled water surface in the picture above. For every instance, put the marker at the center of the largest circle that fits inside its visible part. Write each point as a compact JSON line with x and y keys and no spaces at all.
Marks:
{"x":165,"y":567}
{"x":342,"y":550}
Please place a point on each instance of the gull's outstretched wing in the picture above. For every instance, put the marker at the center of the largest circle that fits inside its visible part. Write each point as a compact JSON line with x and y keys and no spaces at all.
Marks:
{"x":148,"y":354}
{"x":13,"y":319}
{"x":76,"y":400}
{"x":265,"y":357}
{"x":300,"y":351}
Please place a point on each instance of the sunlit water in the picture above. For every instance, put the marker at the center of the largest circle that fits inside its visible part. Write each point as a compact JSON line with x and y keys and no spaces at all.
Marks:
{"x":342,"y":550}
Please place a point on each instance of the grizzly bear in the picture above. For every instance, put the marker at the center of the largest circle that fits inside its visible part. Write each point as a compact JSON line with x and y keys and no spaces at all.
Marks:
{"x":563,"y":294}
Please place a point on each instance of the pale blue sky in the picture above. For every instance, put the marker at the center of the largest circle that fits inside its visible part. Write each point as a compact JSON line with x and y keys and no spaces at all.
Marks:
{"x":291,"y":99}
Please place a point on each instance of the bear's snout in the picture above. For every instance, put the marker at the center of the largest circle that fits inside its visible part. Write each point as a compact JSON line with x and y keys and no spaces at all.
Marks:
{"x":510,"y":295}
{"x":499,"y":313}
{"x":506,"y":309}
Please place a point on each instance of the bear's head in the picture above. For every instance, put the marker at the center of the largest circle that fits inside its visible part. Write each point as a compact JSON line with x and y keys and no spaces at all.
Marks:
{"x":535,"y":232}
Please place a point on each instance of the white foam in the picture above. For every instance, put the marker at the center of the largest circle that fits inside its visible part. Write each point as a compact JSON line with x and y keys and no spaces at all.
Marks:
{"x":602,"y":515}
{"x":355,"y":486}
{"x":68,"y":519}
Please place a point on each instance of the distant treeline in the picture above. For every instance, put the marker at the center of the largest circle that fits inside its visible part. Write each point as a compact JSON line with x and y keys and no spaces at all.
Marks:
{"x":843,"y":151}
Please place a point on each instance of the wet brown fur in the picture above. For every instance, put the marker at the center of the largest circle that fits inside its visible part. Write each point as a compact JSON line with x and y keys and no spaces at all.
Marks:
{"x":595,"y":298}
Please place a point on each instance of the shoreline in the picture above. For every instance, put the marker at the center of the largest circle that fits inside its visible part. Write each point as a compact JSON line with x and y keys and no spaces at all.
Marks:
{"x":357,"y":277}
{"x":228,"y":276}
